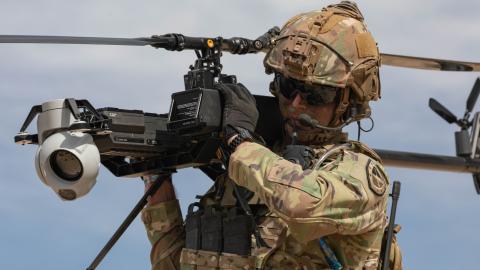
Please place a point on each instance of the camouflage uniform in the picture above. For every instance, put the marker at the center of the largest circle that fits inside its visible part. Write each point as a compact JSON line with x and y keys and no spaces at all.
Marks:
{"x":345,"y":201}
{"x":342,"y":201}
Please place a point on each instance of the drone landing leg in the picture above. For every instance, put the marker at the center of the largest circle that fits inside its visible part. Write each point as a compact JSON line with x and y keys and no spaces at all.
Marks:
{"x":128,"y":220}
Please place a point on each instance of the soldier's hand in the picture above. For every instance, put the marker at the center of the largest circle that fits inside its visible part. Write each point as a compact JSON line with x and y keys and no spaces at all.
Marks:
{"x":239,"y":109}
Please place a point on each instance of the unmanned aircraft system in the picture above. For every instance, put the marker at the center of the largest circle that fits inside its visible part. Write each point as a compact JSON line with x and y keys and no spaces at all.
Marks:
{"x":132,"y":143}
{"x":74,"y":137}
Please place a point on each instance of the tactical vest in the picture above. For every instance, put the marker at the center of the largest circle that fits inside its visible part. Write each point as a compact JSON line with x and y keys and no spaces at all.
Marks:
{"x":219,"y":235}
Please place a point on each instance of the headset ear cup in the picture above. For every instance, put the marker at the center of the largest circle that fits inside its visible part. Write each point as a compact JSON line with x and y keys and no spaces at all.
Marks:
{"x":364,"y":84}
{"x":370,"y":84}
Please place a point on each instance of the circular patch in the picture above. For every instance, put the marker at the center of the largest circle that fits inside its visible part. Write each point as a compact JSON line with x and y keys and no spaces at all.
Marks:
{"x":377,"y":181}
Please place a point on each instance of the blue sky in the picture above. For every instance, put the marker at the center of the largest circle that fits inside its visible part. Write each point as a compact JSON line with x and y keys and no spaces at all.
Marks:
{"x":438,"y":211}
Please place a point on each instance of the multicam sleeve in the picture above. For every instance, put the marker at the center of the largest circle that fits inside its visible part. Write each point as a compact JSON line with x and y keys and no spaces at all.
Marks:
{"x":314,"y":203}
{"x":164,"y":226}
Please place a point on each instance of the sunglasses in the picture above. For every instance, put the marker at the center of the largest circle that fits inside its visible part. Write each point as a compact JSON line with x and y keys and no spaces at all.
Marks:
{"x":315,"y":95}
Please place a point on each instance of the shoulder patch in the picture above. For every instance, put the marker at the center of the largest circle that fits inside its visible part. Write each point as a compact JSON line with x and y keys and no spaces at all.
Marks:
{"x":376,"y":179}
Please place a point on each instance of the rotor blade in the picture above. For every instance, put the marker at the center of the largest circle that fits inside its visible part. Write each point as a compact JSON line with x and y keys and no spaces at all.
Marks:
{"x":442,"y":111}
{"x":472,"y":98}
{"x":75,"y":40}
{"x":428,"y":63}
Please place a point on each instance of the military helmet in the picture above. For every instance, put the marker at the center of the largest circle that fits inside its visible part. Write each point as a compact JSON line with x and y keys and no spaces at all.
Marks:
{"x":330,"y":47}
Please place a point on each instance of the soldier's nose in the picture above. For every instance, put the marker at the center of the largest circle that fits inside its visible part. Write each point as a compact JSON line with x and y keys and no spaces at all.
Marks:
{"x":298,"y":102}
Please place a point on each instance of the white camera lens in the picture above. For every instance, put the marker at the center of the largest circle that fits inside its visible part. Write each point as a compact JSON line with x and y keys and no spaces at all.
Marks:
{"x":68,"y":162}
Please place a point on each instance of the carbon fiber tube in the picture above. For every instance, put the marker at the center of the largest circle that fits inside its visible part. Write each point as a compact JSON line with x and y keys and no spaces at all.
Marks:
{"x":428,"y":161}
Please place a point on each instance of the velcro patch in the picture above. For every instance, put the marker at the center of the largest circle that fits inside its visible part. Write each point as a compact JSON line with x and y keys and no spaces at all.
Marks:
{"x":331,"y":22}
{"x":377,"y":181}
{"x":366,"y":45}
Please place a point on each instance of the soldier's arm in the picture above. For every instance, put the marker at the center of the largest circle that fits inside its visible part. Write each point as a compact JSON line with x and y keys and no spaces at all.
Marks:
{"x":314,"y":203}
{"x":164,"y":225}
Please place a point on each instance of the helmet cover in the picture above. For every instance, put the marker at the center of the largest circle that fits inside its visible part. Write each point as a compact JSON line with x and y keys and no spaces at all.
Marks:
{"x":333,"y":47}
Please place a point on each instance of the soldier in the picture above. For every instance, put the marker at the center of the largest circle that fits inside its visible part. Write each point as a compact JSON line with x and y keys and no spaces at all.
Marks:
{"x":319,"y":199}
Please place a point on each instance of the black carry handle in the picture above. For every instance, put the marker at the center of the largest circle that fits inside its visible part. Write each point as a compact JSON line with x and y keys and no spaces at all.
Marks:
{"x":128,"y":220}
